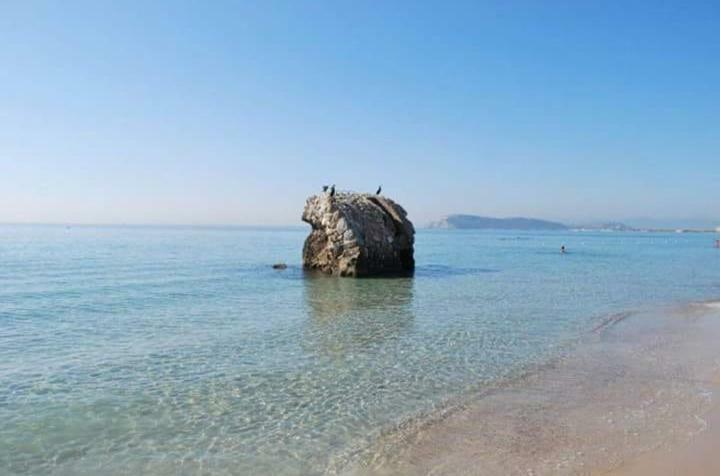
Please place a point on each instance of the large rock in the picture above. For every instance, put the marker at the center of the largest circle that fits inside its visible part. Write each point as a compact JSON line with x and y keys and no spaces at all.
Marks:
{"x":358,"y":235}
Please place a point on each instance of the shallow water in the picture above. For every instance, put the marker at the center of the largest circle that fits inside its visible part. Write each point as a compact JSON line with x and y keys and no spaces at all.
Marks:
{"x":180,"y":351}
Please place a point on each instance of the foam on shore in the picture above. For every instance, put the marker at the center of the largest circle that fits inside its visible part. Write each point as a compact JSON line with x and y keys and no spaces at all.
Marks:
{"x":715,"y":304}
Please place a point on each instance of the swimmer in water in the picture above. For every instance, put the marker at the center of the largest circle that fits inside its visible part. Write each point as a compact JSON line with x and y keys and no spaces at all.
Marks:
{"x":562,"y":249}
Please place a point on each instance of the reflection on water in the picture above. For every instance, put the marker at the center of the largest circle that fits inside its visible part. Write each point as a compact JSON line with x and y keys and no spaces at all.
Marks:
{"x":355,"y":314}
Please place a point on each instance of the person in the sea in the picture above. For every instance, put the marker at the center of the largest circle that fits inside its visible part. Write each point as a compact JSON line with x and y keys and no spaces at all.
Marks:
{"x":562,"y":249}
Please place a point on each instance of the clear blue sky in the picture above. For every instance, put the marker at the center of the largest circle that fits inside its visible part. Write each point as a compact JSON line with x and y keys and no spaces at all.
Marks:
{"x":233,"y":112}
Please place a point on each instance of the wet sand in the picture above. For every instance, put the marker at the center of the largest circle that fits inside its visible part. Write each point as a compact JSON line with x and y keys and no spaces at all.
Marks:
{"x":698,"y":457}
{"x":633,"y":398}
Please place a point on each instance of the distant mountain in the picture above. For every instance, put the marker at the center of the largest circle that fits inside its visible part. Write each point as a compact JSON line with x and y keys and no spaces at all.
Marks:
{"x":478,"y":222}
{"x":470,"y":222}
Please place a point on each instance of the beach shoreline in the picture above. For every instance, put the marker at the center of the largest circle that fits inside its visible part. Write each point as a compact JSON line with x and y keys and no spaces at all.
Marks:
{"x":697,"y":457}
{"x":636,"y":397}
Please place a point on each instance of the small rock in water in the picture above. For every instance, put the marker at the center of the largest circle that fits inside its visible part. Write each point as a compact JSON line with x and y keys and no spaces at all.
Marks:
{"x":279,"y":266}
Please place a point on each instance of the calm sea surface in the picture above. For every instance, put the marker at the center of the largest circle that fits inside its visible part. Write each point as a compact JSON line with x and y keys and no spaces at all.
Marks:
{"x":180,"y":351}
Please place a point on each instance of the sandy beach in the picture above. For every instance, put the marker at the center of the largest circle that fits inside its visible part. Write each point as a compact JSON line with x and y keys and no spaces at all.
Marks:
{"x":636,"y":398}
{"x":697,"y":457}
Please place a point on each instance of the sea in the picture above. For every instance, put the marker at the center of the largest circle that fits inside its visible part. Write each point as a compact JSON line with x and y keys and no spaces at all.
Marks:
{"x":128,"y":350}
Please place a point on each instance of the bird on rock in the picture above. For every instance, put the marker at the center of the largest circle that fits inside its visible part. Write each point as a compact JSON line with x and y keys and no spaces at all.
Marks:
{"x":379,"y":190}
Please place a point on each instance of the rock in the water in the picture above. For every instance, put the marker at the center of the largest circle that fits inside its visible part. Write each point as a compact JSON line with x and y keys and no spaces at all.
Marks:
{"x":358,"y":235}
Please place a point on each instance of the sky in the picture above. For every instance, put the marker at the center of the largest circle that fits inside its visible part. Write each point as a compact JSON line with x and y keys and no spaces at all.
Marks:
{"x":231,"y":112}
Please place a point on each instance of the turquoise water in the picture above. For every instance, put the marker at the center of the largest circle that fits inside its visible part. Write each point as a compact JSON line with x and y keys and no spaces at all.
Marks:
{"x":131,"y":350}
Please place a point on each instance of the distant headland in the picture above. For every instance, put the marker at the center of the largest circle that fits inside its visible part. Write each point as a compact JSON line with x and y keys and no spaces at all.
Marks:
{"x":475,"y":222}
{"x":478,"y":222}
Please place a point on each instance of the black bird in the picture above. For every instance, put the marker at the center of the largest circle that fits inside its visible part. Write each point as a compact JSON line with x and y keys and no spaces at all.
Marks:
{"x":325,"y":187}
{"x":379,"y":190}
{"x":332,"y":190}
